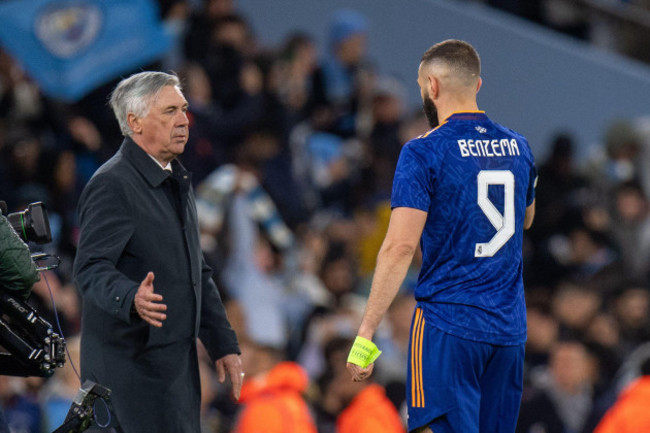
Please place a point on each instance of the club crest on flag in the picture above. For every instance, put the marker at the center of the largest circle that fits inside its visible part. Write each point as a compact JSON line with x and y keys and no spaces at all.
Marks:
{"x":70,"y":47}
{"x":68,"y":28}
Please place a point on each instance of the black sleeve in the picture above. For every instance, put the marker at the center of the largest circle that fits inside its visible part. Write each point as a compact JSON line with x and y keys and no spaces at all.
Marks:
{"x":106,"y":227}
{"x":215,"y":331}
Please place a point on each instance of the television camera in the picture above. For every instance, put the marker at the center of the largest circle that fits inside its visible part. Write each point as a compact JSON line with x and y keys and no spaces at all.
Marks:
{"x":33,"y":348}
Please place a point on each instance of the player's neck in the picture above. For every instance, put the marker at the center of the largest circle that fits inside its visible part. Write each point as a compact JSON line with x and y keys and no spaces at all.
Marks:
{"x":458,"y":107}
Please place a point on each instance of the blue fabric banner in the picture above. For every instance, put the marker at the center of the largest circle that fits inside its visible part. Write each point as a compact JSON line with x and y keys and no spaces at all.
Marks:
{"x":70,"y":47}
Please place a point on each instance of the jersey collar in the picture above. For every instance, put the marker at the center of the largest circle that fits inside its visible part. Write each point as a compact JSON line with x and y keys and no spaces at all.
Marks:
{"x":466,"y":115}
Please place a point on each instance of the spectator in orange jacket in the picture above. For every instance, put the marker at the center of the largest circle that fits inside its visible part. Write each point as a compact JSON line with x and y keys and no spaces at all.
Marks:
{"x":272,"y":396}
{"x":369,"y":412}
{"x":630,"y":413}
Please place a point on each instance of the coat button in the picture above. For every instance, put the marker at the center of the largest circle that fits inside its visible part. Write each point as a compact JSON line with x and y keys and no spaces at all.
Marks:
{"x":117,"y":299}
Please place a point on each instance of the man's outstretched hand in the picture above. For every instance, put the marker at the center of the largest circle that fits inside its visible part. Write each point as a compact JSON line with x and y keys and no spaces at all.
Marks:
{"x":148,"y":304}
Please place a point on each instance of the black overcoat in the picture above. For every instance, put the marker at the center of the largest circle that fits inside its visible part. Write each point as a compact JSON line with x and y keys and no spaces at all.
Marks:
{"x":133,"y":220}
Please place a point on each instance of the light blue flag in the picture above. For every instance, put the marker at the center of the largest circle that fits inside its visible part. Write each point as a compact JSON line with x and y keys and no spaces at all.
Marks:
{"x":70,"y":47}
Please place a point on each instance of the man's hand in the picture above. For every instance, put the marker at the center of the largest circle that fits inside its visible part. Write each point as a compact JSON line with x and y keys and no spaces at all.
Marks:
{"x":359,"y":373}
{"x":362,"y":357}
{"x":148,"y":304}
{"x":231,"y":365}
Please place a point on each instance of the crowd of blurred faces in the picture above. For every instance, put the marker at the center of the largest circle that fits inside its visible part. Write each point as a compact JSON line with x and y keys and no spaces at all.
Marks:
{"x":292,"y":151}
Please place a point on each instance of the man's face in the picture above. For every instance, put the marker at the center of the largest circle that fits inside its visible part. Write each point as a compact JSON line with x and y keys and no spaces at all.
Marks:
{"x":165,"y":129}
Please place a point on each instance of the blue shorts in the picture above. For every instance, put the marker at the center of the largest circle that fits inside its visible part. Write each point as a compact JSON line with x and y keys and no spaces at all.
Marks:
{"x":461,"y":386}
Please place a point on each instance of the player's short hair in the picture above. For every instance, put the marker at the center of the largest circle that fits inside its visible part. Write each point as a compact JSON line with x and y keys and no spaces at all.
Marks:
{"x":135,"y":94}
{"x":458,"y":55}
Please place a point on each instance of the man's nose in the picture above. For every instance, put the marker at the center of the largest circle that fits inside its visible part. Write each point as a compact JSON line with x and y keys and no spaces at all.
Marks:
{"x":182,"y":119}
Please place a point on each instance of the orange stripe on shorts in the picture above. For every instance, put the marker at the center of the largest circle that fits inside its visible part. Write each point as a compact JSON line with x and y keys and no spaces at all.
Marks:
{"x":417,"y":395}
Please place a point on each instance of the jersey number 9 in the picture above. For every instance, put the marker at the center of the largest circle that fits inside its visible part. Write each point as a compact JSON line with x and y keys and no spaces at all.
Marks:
{"x":504,"y":224}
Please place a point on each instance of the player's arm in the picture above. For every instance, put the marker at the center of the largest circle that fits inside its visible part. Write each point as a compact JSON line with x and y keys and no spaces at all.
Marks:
{"x":394,"y":258}
{"x":530,"y":216}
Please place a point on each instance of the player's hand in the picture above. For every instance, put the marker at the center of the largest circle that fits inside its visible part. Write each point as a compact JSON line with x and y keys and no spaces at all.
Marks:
{"x":362,"y":357}
{"x":148,"y":304}
{"x":231,"y":365}
{"x":359,"y":373}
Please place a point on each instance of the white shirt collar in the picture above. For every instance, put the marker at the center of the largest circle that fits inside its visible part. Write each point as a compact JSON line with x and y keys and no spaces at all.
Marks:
{"x":168,"y":167}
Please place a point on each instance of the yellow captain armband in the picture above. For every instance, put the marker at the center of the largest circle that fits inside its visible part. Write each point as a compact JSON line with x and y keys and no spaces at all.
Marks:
{"x":363,"y":352}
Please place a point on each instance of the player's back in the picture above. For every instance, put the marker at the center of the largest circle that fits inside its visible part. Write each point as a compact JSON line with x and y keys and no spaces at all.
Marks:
{"x":475,"y":179}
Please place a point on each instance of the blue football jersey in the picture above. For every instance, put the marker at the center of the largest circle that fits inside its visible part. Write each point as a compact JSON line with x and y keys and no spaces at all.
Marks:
{"x":475,"y":179}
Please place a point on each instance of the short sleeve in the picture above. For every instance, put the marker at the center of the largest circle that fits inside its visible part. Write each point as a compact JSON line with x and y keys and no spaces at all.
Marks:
{"x":413,"y":181}
{"x":532,"y":184}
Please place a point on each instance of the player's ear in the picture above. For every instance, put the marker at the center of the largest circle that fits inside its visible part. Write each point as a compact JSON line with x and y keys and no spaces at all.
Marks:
{"x":479,"y":84}
{"x":434,"y":86}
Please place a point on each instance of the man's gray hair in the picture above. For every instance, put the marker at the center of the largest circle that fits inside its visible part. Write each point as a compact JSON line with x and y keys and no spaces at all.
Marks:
{"x":135,"y":94}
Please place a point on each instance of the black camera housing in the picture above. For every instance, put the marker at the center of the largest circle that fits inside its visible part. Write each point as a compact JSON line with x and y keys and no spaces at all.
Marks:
{"x":32,"y":224}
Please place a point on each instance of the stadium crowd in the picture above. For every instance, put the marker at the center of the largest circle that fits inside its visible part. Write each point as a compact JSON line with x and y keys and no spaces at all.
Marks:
{"x":292,"y":152}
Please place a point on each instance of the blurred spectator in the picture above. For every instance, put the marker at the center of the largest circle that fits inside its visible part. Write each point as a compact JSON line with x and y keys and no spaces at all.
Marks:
{"x":21,"y":156}
{"x":575,"y":306}
{"x":228,"y":61}
{"x":383,"y":142}
{"x":202,"y":23}
{"x":620,"y":162}
{"x":632,"y":230}
{"x":630,"y":412}
{"x":593,"y":260}
{"x":566,"y":385}
{"x":343,"y":82}
{"x":558,"y":191}
{"x":175,"y":14}
{"x":604,"y":339}
{"x":248,"y":273}
{"x":338,"y":317}
{"x":20,"y":98}
{"x":294,"y":75}
{"x":632,"y":309}
{"x":271,"y":397}
{"x":327,"y":167}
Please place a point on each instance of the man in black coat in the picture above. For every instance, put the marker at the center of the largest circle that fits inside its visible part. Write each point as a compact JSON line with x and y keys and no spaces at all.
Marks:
{"x":147,"y":291}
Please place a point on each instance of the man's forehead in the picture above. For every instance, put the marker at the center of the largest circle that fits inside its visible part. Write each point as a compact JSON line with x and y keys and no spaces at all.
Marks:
{"x":170,"y":95}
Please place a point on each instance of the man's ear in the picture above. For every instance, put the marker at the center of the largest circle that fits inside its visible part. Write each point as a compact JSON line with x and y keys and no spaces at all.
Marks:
{"x":479,"y":84}
{"x":434,"y":86}
{"x":134,"y":122}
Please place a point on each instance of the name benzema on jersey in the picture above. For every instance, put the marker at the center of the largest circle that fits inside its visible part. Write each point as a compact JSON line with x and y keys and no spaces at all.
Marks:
{"x":488,"y":148}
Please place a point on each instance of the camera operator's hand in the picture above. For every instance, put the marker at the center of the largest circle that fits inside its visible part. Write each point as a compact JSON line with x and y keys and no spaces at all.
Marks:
{"x":231,"y":364}
{"x":148,"y":304}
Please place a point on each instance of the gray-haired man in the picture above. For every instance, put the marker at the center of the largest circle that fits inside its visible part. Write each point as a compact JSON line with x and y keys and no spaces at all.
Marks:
{"x":147,"y":292}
